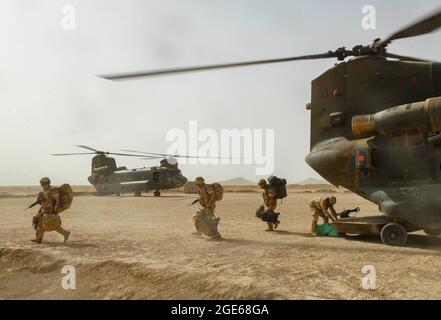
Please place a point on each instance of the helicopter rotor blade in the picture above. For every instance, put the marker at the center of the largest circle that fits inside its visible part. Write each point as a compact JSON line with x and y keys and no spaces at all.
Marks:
{"x":159,"y":72}
{"x":151,"y":158}
{"x":72,"y":154}
{"x":97,"y":152}
{"x":427,"y":25}
{"x":124,"y":154}
{"x":148,"y":153}
{"x":89,"y":148}
{"x":177,"y":155}
{"x":404,"y":58}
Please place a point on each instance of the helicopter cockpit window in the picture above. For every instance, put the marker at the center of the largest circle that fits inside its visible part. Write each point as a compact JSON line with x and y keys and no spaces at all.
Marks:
{"x":156,"y":176}
{"x":173,"y":173}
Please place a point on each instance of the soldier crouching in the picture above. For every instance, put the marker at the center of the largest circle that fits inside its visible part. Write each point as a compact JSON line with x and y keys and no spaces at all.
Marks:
{"x":320,"y":207}
{"x":47,"y":218}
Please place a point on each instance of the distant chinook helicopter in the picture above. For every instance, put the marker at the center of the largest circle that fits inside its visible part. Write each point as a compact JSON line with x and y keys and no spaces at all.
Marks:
{"x":375,"y":128}
{"x":107,"y":178}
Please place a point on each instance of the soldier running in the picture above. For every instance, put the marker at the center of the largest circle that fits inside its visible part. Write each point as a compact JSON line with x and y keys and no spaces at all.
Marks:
{"x":47,"y":218}
{"x":207,"y":200}
{"x":319,"y":208}
{"x":270,"y":201}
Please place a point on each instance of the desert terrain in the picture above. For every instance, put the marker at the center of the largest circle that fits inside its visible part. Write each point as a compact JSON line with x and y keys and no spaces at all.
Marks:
{"x":142,"y":248}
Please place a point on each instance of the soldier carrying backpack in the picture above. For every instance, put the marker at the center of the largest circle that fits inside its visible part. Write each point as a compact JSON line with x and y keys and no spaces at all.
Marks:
{"x":205,"y":220}
{"x":272,"y":191}
{"x":52,"y":200}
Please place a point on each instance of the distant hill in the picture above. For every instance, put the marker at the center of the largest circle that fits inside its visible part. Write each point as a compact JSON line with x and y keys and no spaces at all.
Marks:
{"x":17,"y":179}
{"x":13,"y":178}
{"x":313,"y":181}
{"x":238,"y":182}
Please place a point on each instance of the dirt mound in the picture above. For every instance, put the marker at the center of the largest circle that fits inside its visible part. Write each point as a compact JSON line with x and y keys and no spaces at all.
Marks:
{"x":116,"y":279}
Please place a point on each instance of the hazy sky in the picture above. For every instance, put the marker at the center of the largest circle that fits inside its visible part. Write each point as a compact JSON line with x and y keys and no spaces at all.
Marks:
{"x":51,"y":100}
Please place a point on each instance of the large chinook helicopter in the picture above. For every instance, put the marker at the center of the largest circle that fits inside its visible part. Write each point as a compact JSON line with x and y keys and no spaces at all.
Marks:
{"x":375,"y":130}
{"x":108,"y":178}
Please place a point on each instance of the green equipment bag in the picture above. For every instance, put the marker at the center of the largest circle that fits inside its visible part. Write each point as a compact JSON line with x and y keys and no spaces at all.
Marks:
{"x":327,"y":230}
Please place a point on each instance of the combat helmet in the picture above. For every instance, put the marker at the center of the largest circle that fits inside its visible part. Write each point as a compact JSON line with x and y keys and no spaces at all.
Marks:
{"x":333,"y":200}
{"x":45,"y":180}
{"x":199,"y":181}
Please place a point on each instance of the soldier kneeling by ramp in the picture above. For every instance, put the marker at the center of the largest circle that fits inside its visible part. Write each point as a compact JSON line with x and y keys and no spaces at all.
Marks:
{"x":52,"y":200}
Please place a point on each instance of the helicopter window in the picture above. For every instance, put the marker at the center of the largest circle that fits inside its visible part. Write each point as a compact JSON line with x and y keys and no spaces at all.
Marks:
{"x":156,"y":176}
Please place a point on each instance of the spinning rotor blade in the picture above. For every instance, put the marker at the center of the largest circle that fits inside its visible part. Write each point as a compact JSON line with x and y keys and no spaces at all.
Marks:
{"x":118,"y":76}
{"x":404,"y":58}
{"x":177,"y":155}
{"x":419,"y":28}
{"x":98,"y":152}
{"x":378,"y":48}
{"x":88,"y":148}
{"x":151,"y":158}
{"x":150,"y":153}
{"x":72,"y":154}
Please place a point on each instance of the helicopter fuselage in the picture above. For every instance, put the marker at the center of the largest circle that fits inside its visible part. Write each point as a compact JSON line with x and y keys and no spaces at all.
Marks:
{"x":374,"y":133}
{"x":109,"y":179}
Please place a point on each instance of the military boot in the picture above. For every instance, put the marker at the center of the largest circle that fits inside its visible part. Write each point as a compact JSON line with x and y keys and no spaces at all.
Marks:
{"x":270,"y":227}
{"x":66,"y":236}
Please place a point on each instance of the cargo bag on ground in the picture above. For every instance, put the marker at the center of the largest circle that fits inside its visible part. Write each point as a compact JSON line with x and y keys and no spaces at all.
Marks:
{"x":206,"y":223}
{"x":327,"y":230}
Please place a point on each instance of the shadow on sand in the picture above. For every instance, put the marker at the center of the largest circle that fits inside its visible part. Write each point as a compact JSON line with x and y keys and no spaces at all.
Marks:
{"x":70,"y":244}
{"x":416,"y":241}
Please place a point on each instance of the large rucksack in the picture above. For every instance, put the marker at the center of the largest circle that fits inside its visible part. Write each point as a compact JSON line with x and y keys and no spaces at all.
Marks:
{"x":218,"y":191}
{"x":279,"y":186}
{"x":66,"y":197}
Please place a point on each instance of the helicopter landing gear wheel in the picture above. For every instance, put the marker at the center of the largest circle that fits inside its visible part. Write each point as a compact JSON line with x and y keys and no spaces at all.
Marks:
{"x":137,"y":194}
{"x":157,"y":193}
{"x":394,"y":234}
{"x":432,"y":232}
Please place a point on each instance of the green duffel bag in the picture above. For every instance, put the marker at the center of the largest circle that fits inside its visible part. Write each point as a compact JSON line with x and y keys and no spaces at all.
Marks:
{"x":327,"y":230}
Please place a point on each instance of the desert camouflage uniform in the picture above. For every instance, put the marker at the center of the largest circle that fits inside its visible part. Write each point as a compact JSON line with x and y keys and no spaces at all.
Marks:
{"x":47,"y":219}
{"x":208,"y":202}
{"x":207,"y":198}
{"x":270,"y":200}
{"x":319,"y":208}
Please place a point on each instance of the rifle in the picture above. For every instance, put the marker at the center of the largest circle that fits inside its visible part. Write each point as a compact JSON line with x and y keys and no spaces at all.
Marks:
{"x":38,"y":201}
{"x":194,"y":202}
{"x":346,"y":213}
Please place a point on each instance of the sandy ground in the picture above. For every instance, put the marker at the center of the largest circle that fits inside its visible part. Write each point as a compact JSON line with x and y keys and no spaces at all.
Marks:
{"x":142,"y":248}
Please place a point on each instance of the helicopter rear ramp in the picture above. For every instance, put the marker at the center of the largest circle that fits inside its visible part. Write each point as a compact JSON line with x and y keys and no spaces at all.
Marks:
{"x":362,"y":225}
